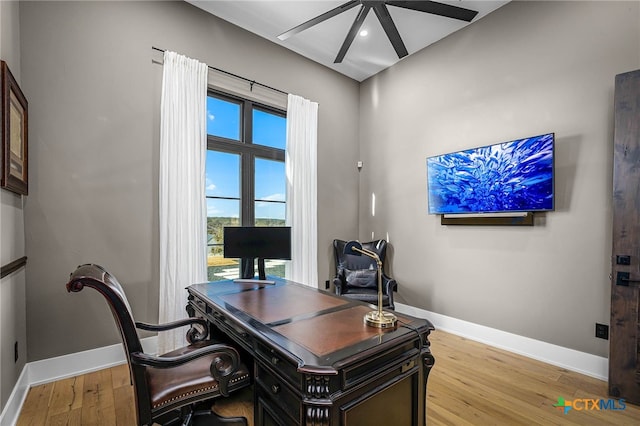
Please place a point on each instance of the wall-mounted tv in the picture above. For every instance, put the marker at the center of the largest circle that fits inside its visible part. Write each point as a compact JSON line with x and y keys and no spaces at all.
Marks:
{"x":515,"y":176}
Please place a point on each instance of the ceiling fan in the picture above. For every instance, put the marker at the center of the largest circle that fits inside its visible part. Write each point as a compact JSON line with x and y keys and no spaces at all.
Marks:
{"x":381,"y":11}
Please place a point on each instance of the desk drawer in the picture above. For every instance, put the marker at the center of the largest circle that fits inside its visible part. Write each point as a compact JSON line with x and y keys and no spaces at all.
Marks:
{"x":228,"y":327}
{"x":200,"y":305}
{"x":276,"y":392}
{"x":374,"y":366}
{"x":277,"y":362}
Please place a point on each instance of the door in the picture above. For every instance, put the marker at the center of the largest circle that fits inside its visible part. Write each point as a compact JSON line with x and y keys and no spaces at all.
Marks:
{"x":624,"y":343}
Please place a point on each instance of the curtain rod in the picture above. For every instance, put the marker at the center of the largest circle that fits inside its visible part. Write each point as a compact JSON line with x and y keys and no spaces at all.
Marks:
{"x":251,"y":82}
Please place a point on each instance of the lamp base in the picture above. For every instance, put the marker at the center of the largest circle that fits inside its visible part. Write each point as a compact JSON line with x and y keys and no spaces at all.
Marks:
{"x":380,"y":319}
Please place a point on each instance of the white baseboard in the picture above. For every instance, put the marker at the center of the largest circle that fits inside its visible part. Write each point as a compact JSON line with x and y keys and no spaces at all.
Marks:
{"x":61,"y":367}
{"x":570,"y":359}
{"x":11,"y":410}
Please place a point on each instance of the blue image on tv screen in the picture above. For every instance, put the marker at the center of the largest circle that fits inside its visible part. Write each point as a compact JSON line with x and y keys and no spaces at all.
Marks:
{"x":514,"y":176}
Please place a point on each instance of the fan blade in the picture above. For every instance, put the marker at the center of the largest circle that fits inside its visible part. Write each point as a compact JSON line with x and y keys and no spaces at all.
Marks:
{"x":436,"y":8}
{"x":355,"y":27}
{"x":390,"y":28}
{"x":320,"y":18}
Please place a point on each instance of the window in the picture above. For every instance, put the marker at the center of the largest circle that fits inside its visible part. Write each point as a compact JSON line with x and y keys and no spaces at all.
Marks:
{"x":245,"y":175}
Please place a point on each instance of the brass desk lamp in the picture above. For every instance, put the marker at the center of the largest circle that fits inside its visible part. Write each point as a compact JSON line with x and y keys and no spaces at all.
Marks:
{"x":379,"y":318}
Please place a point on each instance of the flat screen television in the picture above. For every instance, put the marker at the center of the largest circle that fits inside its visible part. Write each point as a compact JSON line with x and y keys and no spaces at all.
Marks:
{"x":515,"y":176}
{"x":257,"y":242}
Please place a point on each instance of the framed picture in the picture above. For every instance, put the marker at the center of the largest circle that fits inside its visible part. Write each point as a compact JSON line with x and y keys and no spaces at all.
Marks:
{"x":14,"y":135}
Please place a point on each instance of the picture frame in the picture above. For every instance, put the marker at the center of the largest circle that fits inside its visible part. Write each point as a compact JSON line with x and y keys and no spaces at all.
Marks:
{"x":14,"y":113}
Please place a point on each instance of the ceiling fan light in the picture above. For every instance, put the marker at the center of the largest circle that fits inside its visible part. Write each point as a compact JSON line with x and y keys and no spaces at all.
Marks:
{"x":385,"y":19}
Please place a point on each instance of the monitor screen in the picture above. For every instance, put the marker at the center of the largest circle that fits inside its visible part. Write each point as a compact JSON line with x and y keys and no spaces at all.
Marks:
{"x":263,"y":242}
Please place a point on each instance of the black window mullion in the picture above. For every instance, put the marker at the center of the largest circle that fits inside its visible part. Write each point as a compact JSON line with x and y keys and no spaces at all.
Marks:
{"x":247,"y":120}
{"x":248,"y":186}
{"x":269,"y":153}
{"x":215,"y":143}
{"x":248,"y":189}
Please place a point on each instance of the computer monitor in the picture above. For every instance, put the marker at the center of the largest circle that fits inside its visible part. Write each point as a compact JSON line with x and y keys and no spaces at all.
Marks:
{"x":257,"y":242}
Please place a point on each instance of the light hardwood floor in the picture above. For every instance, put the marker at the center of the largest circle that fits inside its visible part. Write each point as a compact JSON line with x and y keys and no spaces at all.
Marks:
{"x":471,"y":384}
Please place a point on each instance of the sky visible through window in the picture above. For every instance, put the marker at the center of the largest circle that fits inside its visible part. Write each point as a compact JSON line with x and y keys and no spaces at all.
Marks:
{"x":222,"y":172}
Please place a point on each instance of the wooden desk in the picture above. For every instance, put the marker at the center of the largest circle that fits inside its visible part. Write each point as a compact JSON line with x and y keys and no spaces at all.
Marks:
{"x":315,"y":361}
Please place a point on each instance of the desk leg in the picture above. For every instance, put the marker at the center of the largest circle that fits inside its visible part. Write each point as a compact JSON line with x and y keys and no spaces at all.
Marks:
{"x":317,"y":387}
{"x":428,"y":362}
{"x":317,"y":416}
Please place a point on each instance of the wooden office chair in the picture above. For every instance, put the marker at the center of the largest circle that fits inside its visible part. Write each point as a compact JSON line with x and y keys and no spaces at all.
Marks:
{"x":174,"y":388}
{"x":356,"y":276}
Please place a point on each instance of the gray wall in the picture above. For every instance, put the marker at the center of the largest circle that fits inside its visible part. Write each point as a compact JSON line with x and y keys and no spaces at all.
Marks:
{"x":12,"y":244}
{"x":528,"y":68}
{"x":94,"y":102}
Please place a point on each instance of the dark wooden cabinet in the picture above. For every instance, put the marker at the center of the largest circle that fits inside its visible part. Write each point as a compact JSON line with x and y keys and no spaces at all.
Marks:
{"x":315,"y":361}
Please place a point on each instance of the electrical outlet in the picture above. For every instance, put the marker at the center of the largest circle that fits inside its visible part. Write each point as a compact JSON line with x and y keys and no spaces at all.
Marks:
{"x":15,"y":352}
{"x":326,"y":285}
{"x":602,"y":331}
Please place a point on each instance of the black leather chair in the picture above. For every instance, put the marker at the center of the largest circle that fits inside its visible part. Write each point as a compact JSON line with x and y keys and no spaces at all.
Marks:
{"x":177,"y":387}
{"x":356,"y":276}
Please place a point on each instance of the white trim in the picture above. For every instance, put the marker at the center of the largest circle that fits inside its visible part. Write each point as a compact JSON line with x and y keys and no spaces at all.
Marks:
{"x":9,"y":415}
{"x":61,"y":367}
{"x":580,"y":362}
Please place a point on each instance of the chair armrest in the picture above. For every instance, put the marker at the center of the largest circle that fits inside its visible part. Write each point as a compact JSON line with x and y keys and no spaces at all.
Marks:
{"x":140,"y":358}
{"x":225,"y":363}
{"x":171,"y":325}
{"x":389,"y":285}
{"x":193,"y":334}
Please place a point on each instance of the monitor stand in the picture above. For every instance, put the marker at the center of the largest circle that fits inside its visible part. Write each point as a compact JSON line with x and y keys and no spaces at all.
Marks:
{"x":247,"y":268}
{"x":248,"y":272}
{"x":261,"y":273}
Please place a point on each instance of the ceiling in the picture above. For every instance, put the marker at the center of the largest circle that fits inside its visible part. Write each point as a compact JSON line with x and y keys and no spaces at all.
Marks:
{"x":367,"y":55}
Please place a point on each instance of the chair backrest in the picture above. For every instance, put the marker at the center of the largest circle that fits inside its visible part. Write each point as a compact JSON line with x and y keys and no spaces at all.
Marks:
{"x":94,"y":276}
{"x":351,"y":267}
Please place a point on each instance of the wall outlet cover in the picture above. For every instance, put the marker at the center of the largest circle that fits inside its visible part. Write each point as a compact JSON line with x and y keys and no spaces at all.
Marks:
{"x":602,"y":331}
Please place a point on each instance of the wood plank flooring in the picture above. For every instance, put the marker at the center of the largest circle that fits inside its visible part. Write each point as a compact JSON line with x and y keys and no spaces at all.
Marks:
{"x":471,"y":384}
{"x":476,"y":384}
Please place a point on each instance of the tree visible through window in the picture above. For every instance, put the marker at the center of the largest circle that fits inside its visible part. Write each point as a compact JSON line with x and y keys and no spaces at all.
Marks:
{"x":245,"y":175}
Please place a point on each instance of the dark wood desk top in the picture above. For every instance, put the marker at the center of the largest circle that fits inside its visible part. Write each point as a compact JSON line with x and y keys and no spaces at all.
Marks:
{"x":316,"y":329}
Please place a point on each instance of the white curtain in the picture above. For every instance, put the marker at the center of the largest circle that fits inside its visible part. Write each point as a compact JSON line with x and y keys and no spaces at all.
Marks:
{"x":302,"y":189}
{"x":182,"y":209}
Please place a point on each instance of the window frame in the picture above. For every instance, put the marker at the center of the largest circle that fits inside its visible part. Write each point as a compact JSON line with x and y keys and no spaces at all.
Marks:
{"x":248,"y":152}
